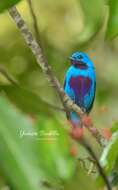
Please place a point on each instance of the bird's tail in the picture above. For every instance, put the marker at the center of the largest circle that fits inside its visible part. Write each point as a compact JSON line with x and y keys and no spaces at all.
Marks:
{"x":75,"y":120}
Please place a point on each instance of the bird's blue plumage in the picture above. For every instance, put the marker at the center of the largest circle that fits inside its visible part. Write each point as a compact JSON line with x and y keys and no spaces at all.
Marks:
{"x":80,"y":83}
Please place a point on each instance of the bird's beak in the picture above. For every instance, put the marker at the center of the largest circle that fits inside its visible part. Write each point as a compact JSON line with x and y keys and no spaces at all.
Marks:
{"x":70,"y":58}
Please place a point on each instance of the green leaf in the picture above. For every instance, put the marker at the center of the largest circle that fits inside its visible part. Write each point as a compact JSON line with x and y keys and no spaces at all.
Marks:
{"x":55,"y":157}
{"x":26,"y":100}
{"x":114,"y":127}
{"x":114,"y":177}
{"x":18,"y":154}
{"x":5,"y":4}
{"x":109,"y":156}
{"x":112,"y":26}
{"x":110,"y":153}
{"x":93,"y":18}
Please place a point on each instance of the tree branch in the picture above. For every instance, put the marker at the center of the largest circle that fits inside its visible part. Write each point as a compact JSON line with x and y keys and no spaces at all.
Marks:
{"x":42,"y":62}
{"x":96,"y":134}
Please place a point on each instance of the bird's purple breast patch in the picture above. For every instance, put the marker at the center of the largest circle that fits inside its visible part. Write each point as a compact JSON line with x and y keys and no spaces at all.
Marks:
{"x":81,"y":86}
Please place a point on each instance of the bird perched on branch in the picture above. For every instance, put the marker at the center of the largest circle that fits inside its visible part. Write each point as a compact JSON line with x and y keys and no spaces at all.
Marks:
{"x":80,"y":84}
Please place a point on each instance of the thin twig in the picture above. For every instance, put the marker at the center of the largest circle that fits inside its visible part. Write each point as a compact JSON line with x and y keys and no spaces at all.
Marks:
{"x":84,"y":160}
{"x":54,"y":107}
{"x":35,"y":23}
{"x":91,"y":168}
{"x":16,"y":83}
{"x":8,"y":77}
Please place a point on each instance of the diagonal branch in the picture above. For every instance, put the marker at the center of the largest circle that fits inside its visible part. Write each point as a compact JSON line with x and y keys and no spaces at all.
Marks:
{"x":42,"y":62}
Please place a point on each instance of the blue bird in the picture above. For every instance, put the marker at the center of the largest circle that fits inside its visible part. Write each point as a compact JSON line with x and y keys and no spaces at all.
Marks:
{"x":80,"y":84}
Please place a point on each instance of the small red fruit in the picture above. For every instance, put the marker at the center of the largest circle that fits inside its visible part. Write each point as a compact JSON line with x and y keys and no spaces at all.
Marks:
{"x":77,"y":133}
{"x":106,"y":133}
{"x":73,"y":151}
{"x":87,"y":121}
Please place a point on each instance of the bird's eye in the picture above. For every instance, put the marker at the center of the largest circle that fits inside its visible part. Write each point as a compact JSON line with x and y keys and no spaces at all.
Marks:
{"x":80,"y":56}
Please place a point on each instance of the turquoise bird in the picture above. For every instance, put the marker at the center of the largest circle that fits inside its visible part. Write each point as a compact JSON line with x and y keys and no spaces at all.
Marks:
{"x":80,"y":84}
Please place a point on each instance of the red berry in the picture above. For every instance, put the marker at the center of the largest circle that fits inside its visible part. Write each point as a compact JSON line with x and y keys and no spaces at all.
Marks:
{"x":106,"y":133}
{"x":87,"y":121}
{"x":77,"y":133}
{"x":73,"y":151}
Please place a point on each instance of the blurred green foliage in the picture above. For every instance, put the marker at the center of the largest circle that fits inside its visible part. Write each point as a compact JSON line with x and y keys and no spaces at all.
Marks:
{"x":18,"y":155}
{"x":65,"y":26}
{"x":54,"y":148}
{"x":109,"y":157}
{"x":93,"y":19}
{"x":7,"y":4}
{"x":28,"y":101}
{"x":112,"y":30}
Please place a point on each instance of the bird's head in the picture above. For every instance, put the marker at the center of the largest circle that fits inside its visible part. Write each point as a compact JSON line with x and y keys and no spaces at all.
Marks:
{"x":81,"y":60}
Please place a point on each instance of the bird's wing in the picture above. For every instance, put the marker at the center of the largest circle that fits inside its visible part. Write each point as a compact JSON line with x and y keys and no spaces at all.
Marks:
{"x":91,"y":104}
{"x":68,"y":90}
